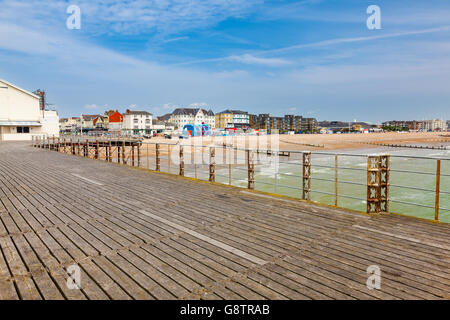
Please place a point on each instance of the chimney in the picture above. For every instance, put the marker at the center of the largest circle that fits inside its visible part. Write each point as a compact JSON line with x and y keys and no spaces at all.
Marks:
{"x":41,"y":95}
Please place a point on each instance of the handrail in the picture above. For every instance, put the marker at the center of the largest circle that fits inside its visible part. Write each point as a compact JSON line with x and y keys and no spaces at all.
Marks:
{"x":127,"y":151}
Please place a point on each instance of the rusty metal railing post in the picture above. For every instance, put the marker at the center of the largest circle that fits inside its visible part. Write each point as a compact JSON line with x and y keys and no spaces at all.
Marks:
{"x":373,"y":184}
{"x":251,"y":169}
{"x":139,"y":154}
{"x":169,"y":157}
{"x":306,"y":195}
{"x":384,"y":183}
{"x":438,"y":189}
{"x":336,"y":181}
{"x":96,"y":150}
{"x":124,"y":161}
{"x":148,"y":158}
{"x":212,"y":164}
{"x":110,"y":151}
{"x":158,"y":160}
{"x":181,"y":161}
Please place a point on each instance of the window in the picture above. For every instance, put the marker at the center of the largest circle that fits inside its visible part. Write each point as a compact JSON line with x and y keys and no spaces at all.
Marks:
{"x":23,"y":129}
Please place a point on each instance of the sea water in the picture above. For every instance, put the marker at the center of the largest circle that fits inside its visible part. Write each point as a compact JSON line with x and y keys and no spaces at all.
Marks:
{"x":412,"y":201}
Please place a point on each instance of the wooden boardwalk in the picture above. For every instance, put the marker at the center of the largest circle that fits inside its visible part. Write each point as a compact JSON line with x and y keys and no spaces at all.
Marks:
{"x":137,"y":234}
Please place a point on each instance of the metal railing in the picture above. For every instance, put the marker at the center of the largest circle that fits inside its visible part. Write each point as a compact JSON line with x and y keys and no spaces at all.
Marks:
{"x":219,"y":163}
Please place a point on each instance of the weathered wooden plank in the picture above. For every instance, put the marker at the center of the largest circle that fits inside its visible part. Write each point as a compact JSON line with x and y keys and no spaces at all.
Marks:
{"x":57,"y":219}
{"x":25,"y":284}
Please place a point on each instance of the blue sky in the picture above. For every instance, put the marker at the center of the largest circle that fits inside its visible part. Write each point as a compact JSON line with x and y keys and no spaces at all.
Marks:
{"x":314,"y":57}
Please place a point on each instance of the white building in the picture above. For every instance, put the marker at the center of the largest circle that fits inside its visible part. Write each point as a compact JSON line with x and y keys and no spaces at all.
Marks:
{"x":433,"y":125}
{"x":70,"y":124}
{"x":158,"y":126}
{"x":137,"y":122}
{"x":22,"y":115}
{"x":183,"y":116}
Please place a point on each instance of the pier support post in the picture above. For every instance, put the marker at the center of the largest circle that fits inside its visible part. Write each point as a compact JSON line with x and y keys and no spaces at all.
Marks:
{"x":96,"y":150}
{"x":109,"y":151}
{"x":158,"y":160}
{"x":212,"y":164}
{"x":124,"y":161}
{"x":306,"y":185}
{"x":373,"y":184}
{"x":384,"y":183}
{"x":181,"y":161}
{"x":138,"y":154}
{"x":251,"y":169}
{"x":86,"y":149}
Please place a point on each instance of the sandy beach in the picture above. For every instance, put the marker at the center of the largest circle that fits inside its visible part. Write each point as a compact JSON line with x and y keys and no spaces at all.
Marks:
{"x":327,"y":141}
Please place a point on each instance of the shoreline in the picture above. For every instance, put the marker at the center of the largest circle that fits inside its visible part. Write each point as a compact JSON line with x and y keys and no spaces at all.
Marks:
{"x":325,"y":142}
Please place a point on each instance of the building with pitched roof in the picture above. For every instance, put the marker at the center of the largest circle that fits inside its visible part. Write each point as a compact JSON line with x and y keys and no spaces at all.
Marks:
{"x":23,"y":114}
{"x":182,"y":116}
{"x":137,"y":122}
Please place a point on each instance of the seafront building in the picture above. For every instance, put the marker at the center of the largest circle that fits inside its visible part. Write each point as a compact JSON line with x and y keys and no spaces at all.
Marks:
{"x":287,"y":123}
{"x":433,"y":125}
{"x":137,"y":122}
{"x":182,"y":116}
{"x":418,"y":125}
{"x":115,"y":121}
{"x":232,"y":119}
{"x":23,"y":115}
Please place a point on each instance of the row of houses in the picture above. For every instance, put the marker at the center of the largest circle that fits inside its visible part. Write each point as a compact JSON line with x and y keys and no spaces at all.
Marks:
{"x":418,"y":125}
{"x":142,"y":122}
{"x":130,"y":122}
{"x":237,"y":119}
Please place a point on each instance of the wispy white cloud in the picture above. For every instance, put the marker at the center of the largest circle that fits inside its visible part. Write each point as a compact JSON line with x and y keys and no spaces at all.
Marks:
{"x":198,"y":105}
{"x":257,"y":57}
{"x":90,"y":106}
{"x":251,"y":59}
{"x":338,"y":41}
{"x":131,"y":16}
{"x":175,"y":39}
{"x":339,"y":90}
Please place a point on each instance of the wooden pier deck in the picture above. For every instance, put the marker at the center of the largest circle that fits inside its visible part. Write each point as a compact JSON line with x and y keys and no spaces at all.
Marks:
{"x":137,"y":234}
